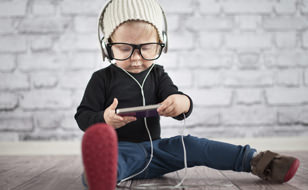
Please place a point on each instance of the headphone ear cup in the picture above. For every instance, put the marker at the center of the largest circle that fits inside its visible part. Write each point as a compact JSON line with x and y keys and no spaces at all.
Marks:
{"x":165,"y":38}
{"x":105,"y":50}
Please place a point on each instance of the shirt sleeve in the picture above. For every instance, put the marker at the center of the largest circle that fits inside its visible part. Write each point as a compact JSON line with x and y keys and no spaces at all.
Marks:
{"x":90,"y":110}
{"x":167,"y":88}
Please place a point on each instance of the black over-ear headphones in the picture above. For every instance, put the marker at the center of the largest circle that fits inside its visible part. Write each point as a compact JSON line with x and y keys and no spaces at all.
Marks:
{"x":103,"y":45}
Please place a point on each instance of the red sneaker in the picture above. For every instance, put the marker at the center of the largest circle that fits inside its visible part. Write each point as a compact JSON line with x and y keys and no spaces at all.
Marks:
{"x":100,"y":157}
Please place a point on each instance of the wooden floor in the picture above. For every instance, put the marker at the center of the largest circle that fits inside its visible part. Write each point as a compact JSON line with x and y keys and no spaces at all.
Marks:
{"x":63,"y":173}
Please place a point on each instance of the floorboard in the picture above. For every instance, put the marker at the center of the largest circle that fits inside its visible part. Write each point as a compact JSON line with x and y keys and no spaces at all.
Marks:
{"x":64,"y":172}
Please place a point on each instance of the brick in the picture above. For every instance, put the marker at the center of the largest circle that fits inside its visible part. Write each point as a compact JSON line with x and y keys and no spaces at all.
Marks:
{"x":69,"y":123}
{"x":39,"y":43}
{"x":248,"y":60}
{"x":46,"y":99}
{"x":306,"y":77}
{"x":294,"y":115}
{"x":203,"y":23}
{"x":71,"y":42}
{"x":77,"y":96}
{"x":13,"y":8}
{"x":43,"y":25}
{"x":204,"y":117}
{"x":285,"y":59}
{"x":9,"y":137}
{"x":8,"y":101}
{"x":48,"y":120}
{"x":41,"y":61}
{"x":16,"y":122}
{"x":203,"y":59}
{"x":305,"y":39}
{"x":248,"y":22}
{"x":285,"y":23}
{"x":52,"y":135}
{"x":14,"y":81}
{"x":219,"y":132}
{"x":170,"y":124}
{"x":75,"y":80}
{"x":13,"y":44}
{"x":7,"y":26}
{"x":200,"y":117}
{"x":45,"y":8}
{"x":248,"y":78}
{"x":44,"y":80}
{"x":173,"y":22}
{"x":175,"y":6}
{"x":288,"y":77}
{"x":181,"y":78}
{"x":285,"y":6}
{"x":80,"y":7}
{"x":82,"y":61}
{"x":287,"y":96}
{"x":180,"y":41}
{"x":210,"y":40}
{"x":302,"y":58}
{"x":247,"y":7}
{"x":209,"y":7}
{"x":248,"y":41}
{"x":282,"y":131}
{"x":249,"y":115}
{"x":169,"y":60}
{"x":248,"y":96}
{"x":286,"y":40}
{"x":304,"y":6}
{"x":85,"y":24}
{"x":211,"y":97}
{"x":204,"y":78}
{"x":8,"y":63}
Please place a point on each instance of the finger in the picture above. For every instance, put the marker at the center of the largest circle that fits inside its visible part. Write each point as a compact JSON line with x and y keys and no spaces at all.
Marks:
{"x":114,"y":104}
{"x":118,"y":118}
{"x":165,"y":104}
{"x":129,"y":118}
{"x":168,"y":111}
{"x":119,"y":124}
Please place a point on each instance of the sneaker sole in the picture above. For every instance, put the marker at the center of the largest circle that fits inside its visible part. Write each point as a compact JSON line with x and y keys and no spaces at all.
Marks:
{"x":100,"y":157}
{"x":291,"y":172}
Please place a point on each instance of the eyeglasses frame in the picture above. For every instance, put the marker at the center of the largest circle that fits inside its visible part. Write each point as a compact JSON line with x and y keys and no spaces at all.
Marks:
{"x":135,"y":46}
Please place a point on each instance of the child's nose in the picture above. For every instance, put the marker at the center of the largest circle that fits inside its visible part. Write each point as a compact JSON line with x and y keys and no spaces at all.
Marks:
{"x":136,"y":54}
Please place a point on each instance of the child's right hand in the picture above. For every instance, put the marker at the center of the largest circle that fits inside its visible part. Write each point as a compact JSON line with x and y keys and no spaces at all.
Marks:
{"x":114,"y":120}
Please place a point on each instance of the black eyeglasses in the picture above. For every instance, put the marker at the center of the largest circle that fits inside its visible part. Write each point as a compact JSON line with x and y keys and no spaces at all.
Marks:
{"x":123,"y":51}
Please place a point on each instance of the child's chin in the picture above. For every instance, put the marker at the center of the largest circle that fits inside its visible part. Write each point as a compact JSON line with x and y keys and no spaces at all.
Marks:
{"x":136,"y":70}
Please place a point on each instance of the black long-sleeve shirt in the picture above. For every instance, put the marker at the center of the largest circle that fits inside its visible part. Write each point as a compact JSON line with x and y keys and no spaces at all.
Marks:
{"x":112,"y":82}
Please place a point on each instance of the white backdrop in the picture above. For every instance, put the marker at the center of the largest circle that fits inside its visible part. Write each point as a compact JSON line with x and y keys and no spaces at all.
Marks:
{"x":244,"y":63}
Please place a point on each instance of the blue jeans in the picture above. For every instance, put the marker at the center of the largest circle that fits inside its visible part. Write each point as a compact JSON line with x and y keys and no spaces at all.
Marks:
{"x":168,"y":156}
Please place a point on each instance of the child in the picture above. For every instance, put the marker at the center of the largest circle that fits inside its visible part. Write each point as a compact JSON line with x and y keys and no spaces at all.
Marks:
{"x":117,"y":148}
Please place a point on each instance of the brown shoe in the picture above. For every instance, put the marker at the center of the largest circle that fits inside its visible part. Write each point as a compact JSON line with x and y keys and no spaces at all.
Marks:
{"x":273,"y":167}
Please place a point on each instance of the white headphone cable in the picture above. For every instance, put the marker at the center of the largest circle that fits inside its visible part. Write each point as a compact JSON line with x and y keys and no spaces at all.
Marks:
{"x":145,"y":122}
{"x":142,"y":186}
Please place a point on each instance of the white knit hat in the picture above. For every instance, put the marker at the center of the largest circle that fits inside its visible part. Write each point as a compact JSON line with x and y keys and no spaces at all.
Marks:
{"x":119,"y":11}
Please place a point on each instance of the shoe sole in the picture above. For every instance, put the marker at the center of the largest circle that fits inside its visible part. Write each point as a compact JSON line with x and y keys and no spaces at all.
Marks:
{"x":291,"y":172}
{"x":100,"y":157}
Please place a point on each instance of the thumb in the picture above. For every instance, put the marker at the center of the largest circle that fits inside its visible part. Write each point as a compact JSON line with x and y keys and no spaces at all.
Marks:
{"x":114,"y":104}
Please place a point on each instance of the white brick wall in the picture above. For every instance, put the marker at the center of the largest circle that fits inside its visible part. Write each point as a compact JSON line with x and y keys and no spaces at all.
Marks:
{"x":244,"y":63}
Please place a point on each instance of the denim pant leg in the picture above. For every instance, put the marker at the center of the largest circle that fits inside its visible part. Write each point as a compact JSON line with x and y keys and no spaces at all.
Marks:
{"x":132,"y":158}
{"x":168,"y":155}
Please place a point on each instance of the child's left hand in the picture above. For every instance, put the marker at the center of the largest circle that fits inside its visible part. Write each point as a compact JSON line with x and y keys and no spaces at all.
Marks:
{"x":174,"y":105}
